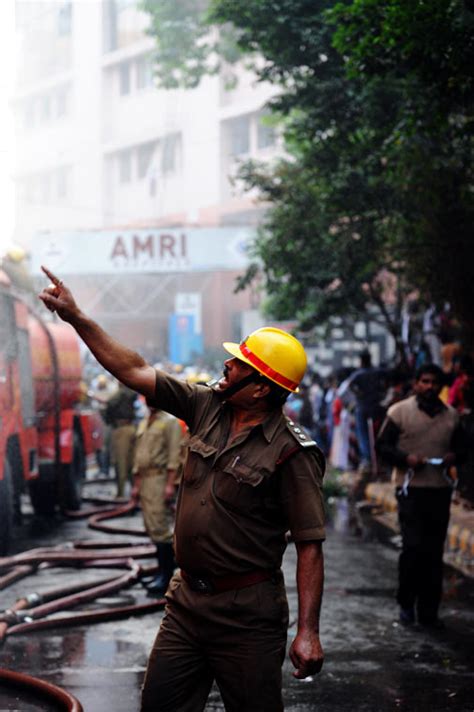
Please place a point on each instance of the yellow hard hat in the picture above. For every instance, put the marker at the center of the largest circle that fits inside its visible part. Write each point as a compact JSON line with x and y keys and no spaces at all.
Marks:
{"x":192,"y":378}
{"x":204,"y":377}
{"x":16,"y":253}
{"x":275,"y":354}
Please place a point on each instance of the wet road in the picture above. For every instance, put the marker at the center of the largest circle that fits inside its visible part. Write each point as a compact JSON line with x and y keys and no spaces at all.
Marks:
{"x":372,"y":663}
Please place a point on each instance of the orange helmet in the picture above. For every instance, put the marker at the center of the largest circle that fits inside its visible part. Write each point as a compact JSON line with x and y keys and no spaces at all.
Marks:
{"x":275,"y":354}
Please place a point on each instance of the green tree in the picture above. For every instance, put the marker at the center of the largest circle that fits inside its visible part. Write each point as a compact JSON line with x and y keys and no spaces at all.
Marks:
{"x":376,"y":100}
{"x":427,"y":49}
{"x":187,"y":47}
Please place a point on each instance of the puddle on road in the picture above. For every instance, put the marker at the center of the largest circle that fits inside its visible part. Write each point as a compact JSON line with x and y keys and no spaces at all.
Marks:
{"x":74,"y":650}
{"x":92,"y":664}
{"x":15,"y":700}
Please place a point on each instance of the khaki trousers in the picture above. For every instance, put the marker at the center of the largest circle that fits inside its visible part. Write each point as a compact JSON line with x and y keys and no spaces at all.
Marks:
{"x":157,"y":515}
{"x":236,"y":638}
{"x":123,"y":441}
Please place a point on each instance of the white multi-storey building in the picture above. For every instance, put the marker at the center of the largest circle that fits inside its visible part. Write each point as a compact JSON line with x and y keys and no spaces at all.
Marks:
{"x":102,"y":150}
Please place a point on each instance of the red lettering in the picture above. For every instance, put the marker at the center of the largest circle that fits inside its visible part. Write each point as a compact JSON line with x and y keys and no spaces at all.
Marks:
{"x":167,"y":244}
{"x":119,"y":249}
{"x":145,"y":245}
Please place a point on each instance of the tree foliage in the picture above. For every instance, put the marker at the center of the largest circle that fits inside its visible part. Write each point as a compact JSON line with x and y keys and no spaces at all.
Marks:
{"x":377,"y":104}
{"x":187,"y":48}
{"x":427,"y":49}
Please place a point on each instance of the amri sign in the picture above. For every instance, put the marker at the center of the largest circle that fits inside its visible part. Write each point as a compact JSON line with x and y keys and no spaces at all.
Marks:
{"x":142,"y":251}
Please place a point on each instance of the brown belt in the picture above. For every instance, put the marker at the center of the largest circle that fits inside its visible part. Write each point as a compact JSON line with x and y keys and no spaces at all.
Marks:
{"x":220,"y":584}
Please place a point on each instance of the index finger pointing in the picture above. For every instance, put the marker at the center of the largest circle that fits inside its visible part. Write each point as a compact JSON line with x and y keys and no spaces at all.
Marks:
{"x":55,"y":280}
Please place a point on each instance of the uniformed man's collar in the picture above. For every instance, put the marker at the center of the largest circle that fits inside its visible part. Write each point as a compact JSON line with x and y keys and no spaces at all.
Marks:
{"x":270,"y":425}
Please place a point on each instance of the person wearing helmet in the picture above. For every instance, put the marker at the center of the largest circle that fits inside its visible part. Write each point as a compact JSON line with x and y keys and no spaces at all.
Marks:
{"x":155,"y":466}
{"x":101,"y":391}
{"x":250,"y":476}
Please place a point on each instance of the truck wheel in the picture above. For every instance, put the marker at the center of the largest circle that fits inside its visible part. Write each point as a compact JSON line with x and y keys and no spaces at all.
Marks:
{"x":74,"y":475}
{"x":6,"y":509}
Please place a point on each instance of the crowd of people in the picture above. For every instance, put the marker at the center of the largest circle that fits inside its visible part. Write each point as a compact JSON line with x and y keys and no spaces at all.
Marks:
{"x":420,"y":425}
{"x":344,"y":411}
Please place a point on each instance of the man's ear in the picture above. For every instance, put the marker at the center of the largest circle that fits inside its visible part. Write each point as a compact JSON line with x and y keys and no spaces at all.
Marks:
{"x":261,"y":390}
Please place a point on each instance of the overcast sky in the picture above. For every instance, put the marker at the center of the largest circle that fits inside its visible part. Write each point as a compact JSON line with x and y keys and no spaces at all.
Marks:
{"x":7,"y":52}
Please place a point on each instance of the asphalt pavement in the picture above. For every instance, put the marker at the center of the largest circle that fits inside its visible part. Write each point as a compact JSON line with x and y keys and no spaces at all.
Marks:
{"x":372,"y":663}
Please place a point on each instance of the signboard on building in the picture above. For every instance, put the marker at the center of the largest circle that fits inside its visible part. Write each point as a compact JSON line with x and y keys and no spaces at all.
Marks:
{"x":184,"y":343}
{"x":112,"y":252}
{"x":189,"y":304}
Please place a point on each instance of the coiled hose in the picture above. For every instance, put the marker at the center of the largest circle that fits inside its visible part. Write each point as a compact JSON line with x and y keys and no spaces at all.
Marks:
{"x":30,"y":612}
{"x":62,"y":699}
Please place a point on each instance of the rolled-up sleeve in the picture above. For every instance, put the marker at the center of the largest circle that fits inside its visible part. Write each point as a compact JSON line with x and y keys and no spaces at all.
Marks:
{"x":302,"y":495}
{"x":181,"y":399}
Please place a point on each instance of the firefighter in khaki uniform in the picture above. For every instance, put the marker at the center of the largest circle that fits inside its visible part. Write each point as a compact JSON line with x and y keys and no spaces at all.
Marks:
{"x":155,"y":467}
{"x":120,"y":414}
{"x":250,"y":475}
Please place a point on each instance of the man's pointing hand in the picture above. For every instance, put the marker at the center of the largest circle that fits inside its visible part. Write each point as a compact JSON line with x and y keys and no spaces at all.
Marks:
{"x":57,"y":297}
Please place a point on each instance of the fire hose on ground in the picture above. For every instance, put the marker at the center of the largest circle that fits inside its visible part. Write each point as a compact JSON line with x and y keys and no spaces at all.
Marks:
{"x":44,"y":689}
{"x":31,"y":612}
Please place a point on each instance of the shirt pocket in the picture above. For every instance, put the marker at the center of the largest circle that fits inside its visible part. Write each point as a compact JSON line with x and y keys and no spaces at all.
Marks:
{"x":240,"y":487}
{"x":198,"y":462}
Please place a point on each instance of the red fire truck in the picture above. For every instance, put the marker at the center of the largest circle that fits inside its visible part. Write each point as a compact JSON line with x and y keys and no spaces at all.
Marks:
{"x":46,"y":437}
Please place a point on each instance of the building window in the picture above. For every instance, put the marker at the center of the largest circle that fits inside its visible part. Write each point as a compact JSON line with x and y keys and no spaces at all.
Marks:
{"x":123,"y":23}
{"x":62,"y":102}
{"x":144,"y":73}
{"x":266,"y":135}
{"x":65,"y":19}
{"x":45,"y":188}
{"x":62,"y":182}
{"x":125,"y":166}
{"x":29,"y":115}
{"x":169,"y":153}
{"x":239,"y":135}
{"x":124,"y":78}
{"x":45,"y":108}
{"x":145,"y":155}
{"x":31,"y":192}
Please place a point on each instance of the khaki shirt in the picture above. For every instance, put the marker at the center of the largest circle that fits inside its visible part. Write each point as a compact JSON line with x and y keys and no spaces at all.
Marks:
{"x":158,"y":443}
{"x":236,"y":502}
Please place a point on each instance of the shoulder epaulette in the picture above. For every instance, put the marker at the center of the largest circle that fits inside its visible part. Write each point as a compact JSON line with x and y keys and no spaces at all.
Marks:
{"x":302,"y":438}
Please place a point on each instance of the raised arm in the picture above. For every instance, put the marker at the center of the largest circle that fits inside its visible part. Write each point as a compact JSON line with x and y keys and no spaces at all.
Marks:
{"x":123,"y":363}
